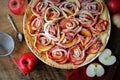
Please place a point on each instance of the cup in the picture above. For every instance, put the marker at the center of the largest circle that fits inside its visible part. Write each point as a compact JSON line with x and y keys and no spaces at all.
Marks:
{"x":6,"y":44}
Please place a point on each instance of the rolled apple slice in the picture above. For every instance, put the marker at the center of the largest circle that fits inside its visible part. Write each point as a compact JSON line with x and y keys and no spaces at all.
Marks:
{"x":101,"y":25}
{"x":70,"y":24}
{"x":42,"y":43}
{"x":95,"y":47}
{"x":39,"y":7}
{"x":69,"y":8}
{"x":95,"y":8}
{"x":52,"y":31}
{"x":85,"y":1}
{"x":85,"y":17}
{"x":95,"y":69}
{"x":58,"y":55}
{"x":55,"y":1}
{"x":36,"y":24}
{"x":67,"y":43}
{"x":76,"y":55}
{"x":52,"y":13}
{"x":107,"y":58}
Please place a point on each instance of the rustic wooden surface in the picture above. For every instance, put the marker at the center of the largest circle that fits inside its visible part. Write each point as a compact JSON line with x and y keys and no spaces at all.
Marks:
{"x":9,"y":71}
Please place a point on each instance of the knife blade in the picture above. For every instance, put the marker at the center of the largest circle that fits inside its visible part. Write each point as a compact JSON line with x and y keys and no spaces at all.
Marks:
{"x":112,"y":70}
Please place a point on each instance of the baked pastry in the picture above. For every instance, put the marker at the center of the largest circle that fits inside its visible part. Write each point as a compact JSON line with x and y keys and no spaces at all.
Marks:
{"x":66,"y":34}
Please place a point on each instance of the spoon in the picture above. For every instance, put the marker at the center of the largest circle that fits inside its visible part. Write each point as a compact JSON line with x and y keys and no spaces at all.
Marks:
{"x":19,"y":35}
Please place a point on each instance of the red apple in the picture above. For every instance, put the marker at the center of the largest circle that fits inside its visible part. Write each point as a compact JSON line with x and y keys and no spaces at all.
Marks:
{"x":114,"y":5}
{"x":26,"y":62}
{"x":116,"y":20}
{"x":17,"y":7}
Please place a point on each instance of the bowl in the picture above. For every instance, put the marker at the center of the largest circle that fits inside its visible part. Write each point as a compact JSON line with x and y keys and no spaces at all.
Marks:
{"x":6,"y":44}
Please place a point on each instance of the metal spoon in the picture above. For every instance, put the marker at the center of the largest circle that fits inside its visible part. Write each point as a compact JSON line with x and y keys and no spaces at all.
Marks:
{"x":19,"y":35}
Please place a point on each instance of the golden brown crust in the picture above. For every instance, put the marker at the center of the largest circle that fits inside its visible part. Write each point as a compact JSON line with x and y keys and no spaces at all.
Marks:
{"x":104,"y":36}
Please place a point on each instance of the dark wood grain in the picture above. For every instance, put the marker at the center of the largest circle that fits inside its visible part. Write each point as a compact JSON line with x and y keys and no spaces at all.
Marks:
{"x":9,"y":71}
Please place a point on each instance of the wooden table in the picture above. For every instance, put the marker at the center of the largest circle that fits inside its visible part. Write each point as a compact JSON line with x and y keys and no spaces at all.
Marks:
{"x":9,"y":71}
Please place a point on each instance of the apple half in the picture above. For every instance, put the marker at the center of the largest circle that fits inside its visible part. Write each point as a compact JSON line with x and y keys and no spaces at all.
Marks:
{"x":107,"y":58}
{"x":95,"y":69}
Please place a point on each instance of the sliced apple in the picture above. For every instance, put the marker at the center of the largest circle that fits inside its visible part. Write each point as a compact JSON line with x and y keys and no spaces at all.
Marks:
{"x":43,"y":48}
{"x":107,"y":58}
{"x":95,"y":69}
{"x":71,"y":43}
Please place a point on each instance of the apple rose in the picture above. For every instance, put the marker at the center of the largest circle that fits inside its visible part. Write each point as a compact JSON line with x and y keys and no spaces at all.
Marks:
{"x":58,"y":54}
{"x":36,"y":24}
{"x":100,"y":26}
{"x":69,"y":39}
{"x":39,"y":8}
{"x":95,"y":8}
{"x":85,"y":17}
{"x":85,"y":1}
{"x":76,"y":55}
{"x":42,"y":43}
{"x":85,"y":36}
{"x":69,"y":36}
{"x":94,"y":48}
{"x":52,"y":13}
{"x":70,"y":24}
{"x":68,"y":8}
{"x":52,"y":31}
{"x":76,"y":2}
{"x":55,"y":1}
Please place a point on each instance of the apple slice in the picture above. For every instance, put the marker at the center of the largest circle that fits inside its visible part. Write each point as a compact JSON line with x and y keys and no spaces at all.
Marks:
{"x":107,"y":58}
{"x":95,"y":69}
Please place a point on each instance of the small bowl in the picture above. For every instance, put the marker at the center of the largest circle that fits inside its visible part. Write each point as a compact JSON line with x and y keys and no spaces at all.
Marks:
{"x":6,"y":44}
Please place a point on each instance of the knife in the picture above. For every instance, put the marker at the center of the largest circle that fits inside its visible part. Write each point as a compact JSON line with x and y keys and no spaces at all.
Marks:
{"x":113,"y":68}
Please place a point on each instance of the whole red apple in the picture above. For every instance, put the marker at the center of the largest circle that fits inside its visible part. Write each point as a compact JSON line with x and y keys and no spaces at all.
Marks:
{"x":114,"y":5}
{"x":26,"y":62}
{"x":17,"y":7}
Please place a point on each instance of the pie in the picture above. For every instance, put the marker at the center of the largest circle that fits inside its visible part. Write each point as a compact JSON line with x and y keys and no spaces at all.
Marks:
{"x":66,"y":34}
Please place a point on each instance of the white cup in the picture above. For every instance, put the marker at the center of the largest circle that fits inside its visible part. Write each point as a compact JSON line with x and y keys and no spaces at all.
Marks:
{"x":6,"y":44}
